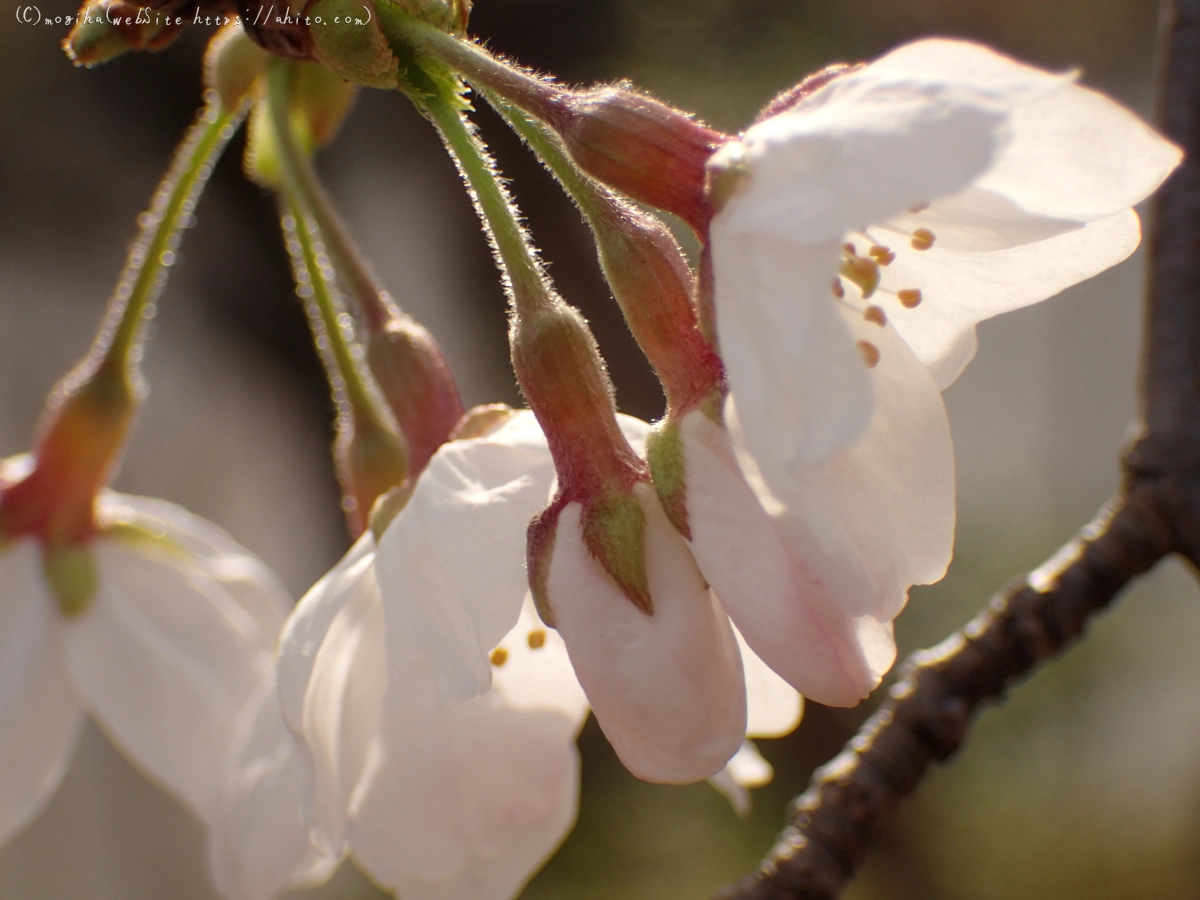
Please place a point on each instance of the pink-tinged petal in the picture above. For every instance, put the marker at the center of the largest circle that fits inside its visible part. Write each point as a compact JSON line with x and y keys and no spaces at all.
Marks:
{"x":332,"y":659}
{"x":879,"y":516}
{"x":259,"y":845}
{"x":466,"y":802}
{"x":244,"y":576}
{"x":746,"y":770}
{"x":667,"y":689}
{"x":451,"y":565}
{"x":801,"y":387}
{"x":536,"y":672}
{"x":781,"y":609}
{"x":165,"y":659}
{"x":38,"y":707}
{"x":773,"y":707}
{"x":960,"y":288}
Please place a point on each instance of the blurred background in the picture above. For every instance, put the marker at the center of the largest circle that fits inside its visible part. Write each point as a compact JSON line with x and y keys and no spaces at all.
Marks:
{"x":1085,"y":784}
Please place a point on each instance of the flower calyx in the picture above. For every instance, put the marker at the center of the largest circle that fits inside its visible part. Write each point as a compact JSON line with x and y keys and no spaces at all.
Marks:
{"x":640,"y":147}
{"x":559,"y":368}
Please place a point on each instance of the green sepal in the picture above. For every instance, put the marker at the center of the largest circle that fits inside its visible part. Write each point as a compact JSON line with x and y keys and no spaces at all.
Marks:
{"x":70,"y":571}
{"x":668,"y":471}
{"x":614,"y":531}
{"x":539,"y":550}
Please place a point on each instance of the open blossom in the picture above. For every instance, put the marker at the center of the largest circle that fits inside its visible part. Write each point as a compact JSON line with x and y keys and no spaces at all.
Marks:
{"x":861,"y":235}
{"x":436,"y":804}
{"x":667,"y":688}
{"x":436,"y":752}
{"x":174,"y":641}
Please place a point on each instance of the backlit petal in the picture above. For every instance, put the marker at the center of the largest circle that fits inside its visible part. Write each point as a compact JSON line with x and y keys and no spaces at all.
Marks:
{"x":451,"y":565}
{"x":259,"y":845}
{"x":40,"y":714}
{"x":667,"y":689}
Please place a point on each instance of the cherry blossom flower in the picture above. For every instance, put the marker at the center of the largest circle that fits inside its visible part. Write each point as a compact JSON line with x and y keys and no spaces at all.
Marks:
{"x":170,"y":648}
{"x":464,"y":800}
{"x":861,"y":234}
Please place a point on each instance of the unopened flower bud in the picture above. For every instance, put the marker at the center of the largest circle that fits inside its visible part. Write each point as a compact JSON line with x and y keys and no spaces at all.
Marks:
{"x":109,"y":28}
{"x":417,"y":384}
{"x":233,"y":65}
{"x":640,"y":147}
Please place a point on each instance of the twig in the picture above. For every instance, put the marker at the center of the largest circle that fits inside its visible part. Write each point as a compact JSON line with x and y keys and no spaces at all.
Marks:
{"x":1157,"y":512}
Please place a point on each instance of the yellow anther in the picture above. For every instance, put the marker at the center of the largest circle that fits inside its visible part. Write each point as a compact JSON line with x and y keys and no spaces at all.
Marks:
{"x":870,"y":353}
{"x":909,"y":299}
{"x":838,"y":290}
{"x":922,"y":239}
{"x":537,"y":639}
{"x":499,"y":657}
{"x":863,"y":272}
{"x":876,"y":315}
{"x":882,"y":255}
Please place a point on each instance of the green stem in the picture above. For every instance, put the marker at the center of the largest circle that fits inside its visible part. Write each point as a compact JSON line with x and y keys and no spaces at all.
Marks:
{"x":409,"y":35}
{"x":301,"y":176}
{"x":324,"y":313}
{"x":530,"y":293}
{"x":153,"y":252}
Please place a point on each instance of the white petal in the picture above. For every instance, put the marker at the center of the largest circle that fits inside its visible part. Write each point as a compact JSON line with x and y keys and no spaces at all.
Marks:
{"x":259,"y":845}
{"x":866,"y":147}
{"x":451,"y":565}
{"x":37,"y":702}
{"x":164,"y":660}
{"x":746,"y":770}
{"x":1076,"y":154}
{"x":244,"y":576}
{"x":960,"y":288}
{"x":801,"y":387}
{"x":879,"y":516}
{"x":466,"y":802}
{"x":537,"y":672}
{"x":667,"y":689}
{"x":780,"y":608}
{"x":773,"y":707}
{"x":332,"y":657}
{"x":308,"y":625}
